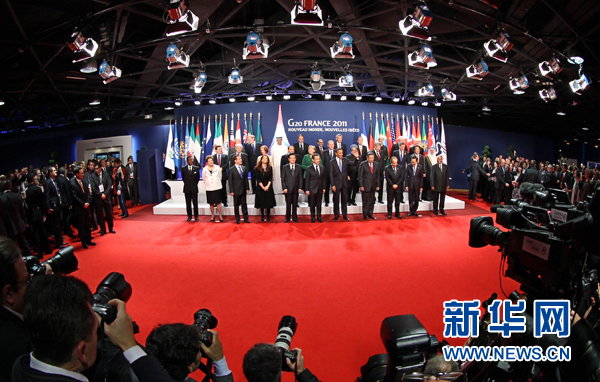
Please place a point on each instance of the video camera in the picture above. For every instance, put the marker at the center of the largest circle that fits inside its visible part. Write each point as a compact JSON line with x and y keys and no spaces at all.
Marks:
{"x":287,"y":329}
{"x":63,"y":263}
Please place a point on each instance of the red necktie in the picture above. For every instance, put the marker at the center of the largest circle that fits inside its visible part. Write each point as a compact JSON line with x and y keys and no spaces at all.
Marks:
{"x":219,"y":160}
{"x":371,"y":165}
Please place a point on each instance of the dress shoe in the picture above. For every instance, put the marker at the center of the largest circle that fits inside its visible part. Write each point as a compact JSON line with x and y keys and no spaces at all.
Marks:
{"x":121,"y":215}
{"x":126,"y":216}
{"x":112,"y":231}
{"x":443,"y":213}
{"x":435,"y":213}
{"x":349,"y":204}
{"x":197,"y":219}
{"x":364,"y":218}
{"x":84,"y":245}
{"x":212,"y":219}
{"x":295,"y":220}
{"x":224,"y":204}
{"x":102,"y":233}
{"x":246,"y":220}
{"x":398,"y":215}
{"x":389,"y":216}
{"x":287,"y":221}
{"x":354,"y":204}
{"x":336,"y":217}
{"x":475,"y":200}
{"x":91,"y":243}
{"x":346,"y":218}
{"x":189,"y":219}
{"x":237,"y":221}
{"x":320,"y":220}
{"x":326,"y":204}
{"x":372,"y":217}
{"x":312,"y":220}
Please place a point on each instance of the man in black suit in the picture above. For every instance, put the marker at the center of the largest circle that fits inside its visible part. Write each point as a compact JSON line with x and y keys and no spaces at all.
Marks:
{"x":414,"y":184}
{"x":82,"y":197}
{"x":89,"y":172}
{"x":253,"y":151}
{"x":285,"y":159}
{"x":354,"y":160}
{"x":397,"y":145}
{"x":440,"y":182}
{"x":300,"y":148}
{"x":238,"y":187}
{"x":131,"y":175}
{"x":36,"y":211}
{"x":320,"y":148}
{"x":549,"y":181}
{"x":328,"y":156}
{"x":362,"y":149}
{"x":401,"y":153}
{"x":315,"y":187}
{"x":232,"y":149}
{"x":532,"y":175}
{"x":476,"y":173}
{"x":53,"y":203}
{"x":102,"y":192}
{"x":379,"y":158}
{"x":291,"y":183}
{"x":368,"y":180}
{"x":339,"y":144}
{"x":61,"y":353}
{"x":14,"y":218}
{"x":394,"y":179}
{"x":240,"y":153}
{"x":501,"y":182}
{"x":190,"y":175}
{"x":566,"y":180}
{"x":339,"y":178}
{"x":221,"y":160}
{"x":66,"y":201}
{"x":385,"y":153}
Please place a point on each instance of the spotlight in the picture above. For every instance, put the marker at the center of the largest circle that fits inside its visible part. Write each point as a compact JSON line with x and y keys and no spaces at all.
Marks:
{"x":519,"y":84}
{"x":232,"y":99}
{"x":199,"y":82}
{"x":580,"y":84}
{"x":422,"y":59}
{"x":343,"y":97}
{"x":1,"y":101}
{"x":235,"y":78}
{"x":447,"y":95}
{"x":315,"y":78}
{"x":438,"y":103}
{"x":178,"y":101}
{"x":426,"y":91}
{"x":89,"y":66}
{"x":327,"y":95}
{"x":478,"y":71}
{"x":411,"y":102}
{"x":416,"y":25}
{"x":176,"y":57}
{"x":342,"y":48}
{"x":108,"y":72}
{"x":180,"y":19}
{"x":424,"y":103}
{"x":251,"y":98}
{"x":346,"y":81}
{"x":548,"y":94}
{"x":97,"y":119}
{"x":358,"y":96}
{"x":550,"y":68}
{"x":84,"y":47}
{"x":286,"y":96}
{"x":560,"y":112}
{"x":378,"y":98}
{"x":212,"y":101}
{"x":269,"y":97}
{"x":498,"y":49}
{"x":575,"y":60}
{"x":28,"y":120}
{"x":307,"y":12}
{"x":94,"y":102}
{"x":255,"y":47}
{"x":197,"y":101}
{"x":169,"y":108}
{"x":395,"y":98}
{"x":485,"y":108}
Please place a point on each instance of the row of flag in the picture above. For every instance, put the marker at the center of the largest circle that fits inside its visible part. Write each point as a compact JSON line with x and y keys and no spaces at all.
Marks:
{"x":424,"y":132}
{"x":198,"y":140}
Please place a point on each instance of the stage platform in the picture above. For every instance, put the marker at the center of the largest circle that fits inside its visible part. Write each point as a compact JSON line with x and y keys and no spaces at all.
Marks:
{"x":176,"y":205}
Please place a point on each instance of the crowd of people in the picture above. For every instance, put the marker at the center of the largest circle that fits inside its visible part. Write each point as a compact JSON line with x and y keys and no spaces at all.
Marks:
{"x":40,"y":207}
{"x":323,"y":172}
{"x":498,"y":179}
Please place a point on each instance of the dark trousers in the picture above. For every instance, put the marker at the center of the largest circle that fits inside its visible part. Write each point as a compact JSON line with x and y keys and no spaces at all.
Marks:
{"x":121,"y":199}
{"x":133,"y":192}
{"x":66,"y":220}
{"x":41,"y":244}
{"x":54,"y":224}
{"x":413,"y":199}
{"x":427,"y":191}
{"x":499,"y":195}
{"x":343,"y":192}
{"x":368,"y":202}
{"x":224,"y":189}
{"x":327,"y":187}
{"x":314,"y":202}
{"x":508,"y":194}
{"x":439,"y":199}
{"x":291,"y":204}
{"x":23,"y":244}
{"x":353,"y":190}
{"x":380,"y":192}
{"x":104,"y":213}
{"x":253,"y":180}
{"x":240,"y":200}
{"x":83,"y":225}
{"x":93,"y":220}
{"x":191,"y":198}
{"x":473,"y":188}
{"x":393,"y":199}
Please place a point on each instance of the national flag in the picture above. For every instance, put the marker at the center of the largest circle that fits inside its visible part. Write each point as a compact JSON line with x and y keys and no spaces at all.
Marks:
{"x":169,"y":153}
{"x":413,"y":133}
{"x":388,"y":135}
{"x":192,"y":140}
{"x":398,"y":128}
{"x":198,"y":144}
{"x":226,"y":137}
{"x":259,"y":136}
{"x":404,"y":130}
{"x":279,"y":132}
{"x":238,"y":131}
{"x":417,"y":135}
{"x":208,"y":142}
{"x":218,"y":138}
{"x":423,"y":131}
{"x":394,"y":135}
{"x":251,"y":129}
{"x":363,"y":134}
{"x":186,"y":131}
{"x":430,"y":141}
{"x":376,"y":130}
{"x":382,"y":129}
{"x":442,"y":144}
{"x":245,"y":137}
{"x":371,"y":133}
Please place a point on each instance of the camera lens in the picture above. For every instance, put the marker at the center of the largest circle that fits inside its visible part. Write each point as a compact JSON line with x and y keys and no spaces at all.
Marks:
{"x":287,"y":328}
{"x":64,"y":262}
{"x":204,"y":319}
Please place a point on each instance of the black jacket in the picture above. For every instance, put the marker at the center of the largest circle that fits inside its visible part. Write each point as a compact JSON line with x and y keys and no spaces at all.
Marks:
{"x":369,"y":181}
{"x":476,"y":170}
{"x":337,"y":178}
{"x":14,"y":217}
{"x":414,"y":179}
{"x":66,"y":199}
{"x":394,"y":177}
{"x":238,"y":184}
{"x":80,"y":197}
{"x":303,"y":152}
{"x":36,"y":203}
{"x":439,"y":178}
{"x":106,"y":184}
{"x":290,"y":182}
{"x":15,"y":342}
{"x":315,"y":181}
{"x":190,"y":179}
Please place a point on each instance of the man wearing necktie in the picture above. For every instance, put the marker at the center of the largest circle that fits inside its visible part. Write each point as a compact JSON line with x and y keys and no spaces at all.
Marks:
{"x":300,"y":148}
{"x":253,"y":151}
{"x":440,"y":182}
{"x":414,"y":184}
{"x":368,"y":180}
{"x":239,"y":187}
{"x":53,"y":203}
{"x":339,"y":144}
{"x":315,"y":187}
{"x":132,"y":181}
{"x":402,"y":155}
{"x":82,"y":198}
{"x":340,"y":181}
{"x":394,"y":179}
{"x":291,"y":183}
{"x":379,"y":158}
{"x":190,"y":175}
{"x":328,"y":157}
{"x":102,"y":192}
{"x":362,"y":150}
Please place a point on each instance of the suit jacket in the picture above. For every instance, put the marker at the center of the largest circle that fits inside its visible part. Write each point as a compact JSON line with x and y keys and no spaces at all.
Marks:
{"x":343,"y":145}
{"x":190,"y":179}
{"x":501,"y":178}
{"x":315,"y":181}
{"x":53,"y":201}
{"x":440,"y":179}
{"x":238,"y":184}
{"x":253,"y":155}
{"x":394,"y":177}
{"x":301,"y":153}
{"x":232,"y":150}
{"x":405,"y":157}
{"x":414,"y":180}
{"x":245,"y":162}
{"x":285,"y":159}
{"x":567,"y":181}
{"x":290,"y":182}
{"x":320,"y":151}
{"x":353,"y":163}
{"x":106,"y":183}
{"x":532,"y":175}
{"x":476,"y":170}
{"x":362,"y":153}
{"x":66,"y":199}
{"x":224,"y":162}
{"x":326,"y":159}
{"x":15,"y":218}
{"x":36,"y":203}
{"x":2,"y":219}
{"x":366,"y":179}
{"x":80,"y":197}
{"x":380,"y":160}
{"x":338,"y":178}
{"x":131,"y":171}
{"x":385,"y":154}
{"x":15,"y":342}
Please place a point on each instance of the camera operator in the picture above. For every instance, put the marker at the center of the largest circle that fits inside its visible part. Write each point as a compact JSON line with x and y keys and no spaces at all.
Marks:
{"x":179,"y":350}
{"x":64,"y":334}
{"x":262,"y":363}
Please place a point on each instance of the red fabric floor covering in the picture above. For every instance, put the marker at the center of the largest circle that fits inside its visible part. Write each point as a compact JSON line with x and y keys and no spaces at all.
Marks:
{"x":339,"y":279}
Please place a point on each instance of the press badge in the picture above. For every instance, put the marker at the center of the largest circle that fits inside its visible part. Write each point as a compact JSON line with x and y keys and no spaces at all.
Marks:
{"x":101,"y":187}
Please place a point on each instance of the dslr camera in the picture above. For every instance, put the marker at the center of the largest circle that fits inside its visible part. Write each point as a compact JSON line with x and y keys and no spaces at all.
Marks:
{"x":114,"y":286}
{"x":287,"y":329}
{"x":204,"y":320}
{"x":63,"y":263}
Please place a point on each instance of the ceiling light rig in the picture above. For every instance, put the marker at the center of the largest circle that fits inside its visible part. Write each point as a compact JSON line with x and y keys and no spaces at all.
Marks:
{"x":416,"y":25}
{"x":478,"y":71}
{"x":307,"y":12}
{"x":346,"y":81}
{"x":176,"y":57}
{"x":255,"y":46}
{"x":342,"y":48}
{"x":550,"y":68}
{"x":426,"y":91}
{"x":447,"y":95}
{"x":579,"y":85}
{"x":83,"y":46}
{"x":423,"y":58}
{"x":109,"y":72}
{"x":498,"y":49}
{"x":548,"y":94}
{"x":200,"y":81}
{"x":315,"y":78}
{"x":235,"y":77}
{"x":519,"y":84}
{"x":180,"y":19}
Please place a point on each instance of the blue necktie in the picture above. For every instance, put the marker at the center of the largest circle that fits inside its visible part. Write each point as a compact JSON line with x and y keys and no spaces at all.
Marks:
{"x":340,"y":163}
{"x":240,"y":170}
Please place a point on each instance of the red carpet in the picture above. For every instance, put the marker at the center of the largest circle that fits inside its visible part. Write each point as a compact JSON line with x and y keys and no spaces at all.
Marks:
{"x":339,"y":279}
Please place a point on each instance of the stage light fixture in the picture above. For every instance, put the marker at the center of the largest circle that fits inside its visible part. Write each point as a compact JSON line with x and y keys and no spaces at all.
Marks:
{"x":378,"y":98}
{"x":438,"y":103}
{"x":560,"y":112}
{"x":519,"y":84}
{"x":180,"y":19}
{"x":89,"y":66}
{"x":346,"y":81}
{"x":426,"y":91}
{"x":28,"y":120}
{"x":343,"y":97}
{"x":197,"y":101}
{"x":575,"y":60}
{"x":550,"y":68}
{"x":200,"y":81}
{"x":580,"y":84}
{"x":423,"y":58}
{"x":1,"y":101}
{"x":498,"y":49}
{"x":342,"y":48}
{"x":98,"y":119}
{"x":358,"y":96}
{"x":235,"y":77}
{"x":178,"y":101}
{"x":94,"y":102}
{"x":395,"y":98}
{"x":232,"y":99}
{"x":212,"y":101}
{"x":251,"y":98}
{"x":255,"y":46}
{"x":327,"y":95}
{"x":84,"y":47}
{"x":176,"y":57}
{"x":548,"y":94}
{"x":315,"y":78}
{"x":447,"y":95}
{"x":307,"y":12}
{"x":485,"y":108}
{"x":286,"y":96}
{"x":169,"y":108}
{"x":424,"y":103}
{"x":411,"y":101}
{"x":269,"y":97}
{"x":416,"y":25}
{"x":478,"y":71}
{"x":109,"y":72}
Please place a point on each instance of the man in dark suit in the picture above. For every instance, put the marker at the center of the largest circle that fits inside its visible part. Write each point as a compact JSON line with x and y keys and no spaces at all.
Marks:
{"x":190,"y":175}
{"x":476,"y":173}
{"x":532,"y":175}
{"x":14,"y":219}
{"x":549,"y":180}
{"x":66,"y":202}
{"x":403,"y":159}
{"x":397,"y":145}
{"x":414,"y":184}
{"x":385,"y":152}
{"x":440,"y":182}
{"x":240,"y":153}
{"x":394,"y":179}
{"x":101,"y":191}
{"x":221,"y":160}
{"x":300,"y":148}
{"x":340,"y":181}
{"x":428,"y":162}
{"x":238,"y":187}
{"x":501,"y":182}
{"x":285,"y":159}
{"x":291,"y":183}
{"x":82,"y":197}
{"x":89,"y":172}
{"x":253,"y":151}
{"x":320,"y":148}
{"x":53,"y":203}
{"x":35,"y":212}
{"x":315,"y":187}
{"x":378,"y":155}
{"x":368,"y":180}
{"x":132,"y":181}
{"x":354,"y":160}
{"x":362,"y":150}
{"x":328,"y":156}
{"x":339,"y":144}
{"x":233,"y":150}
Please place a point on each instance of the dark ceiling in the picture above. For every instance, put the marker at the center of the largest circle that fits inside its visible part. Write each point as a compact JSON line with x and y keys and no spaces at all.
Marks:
{"x":39,"y":81}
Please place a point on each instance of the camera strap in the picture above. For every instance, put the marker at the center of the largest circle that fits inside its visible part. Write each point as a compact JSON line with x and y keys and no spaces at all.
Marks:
{"x":206,"y":369}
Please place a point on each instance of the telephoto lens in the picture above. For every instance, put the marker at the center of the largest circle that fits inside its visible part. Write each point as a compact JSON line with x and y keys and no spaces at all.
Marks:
{"x":204,"y":320}
{"x":63,"y":263}
{"x":114,"y":286}
{"x":287,"y":329}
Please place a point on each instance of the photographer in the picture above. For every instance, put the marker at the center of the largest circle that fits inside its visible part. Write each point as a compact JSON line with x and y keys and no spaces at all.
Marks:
{"x":64,"y":334}
{"x":179,"y":349}
{"x":262,"y":363}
